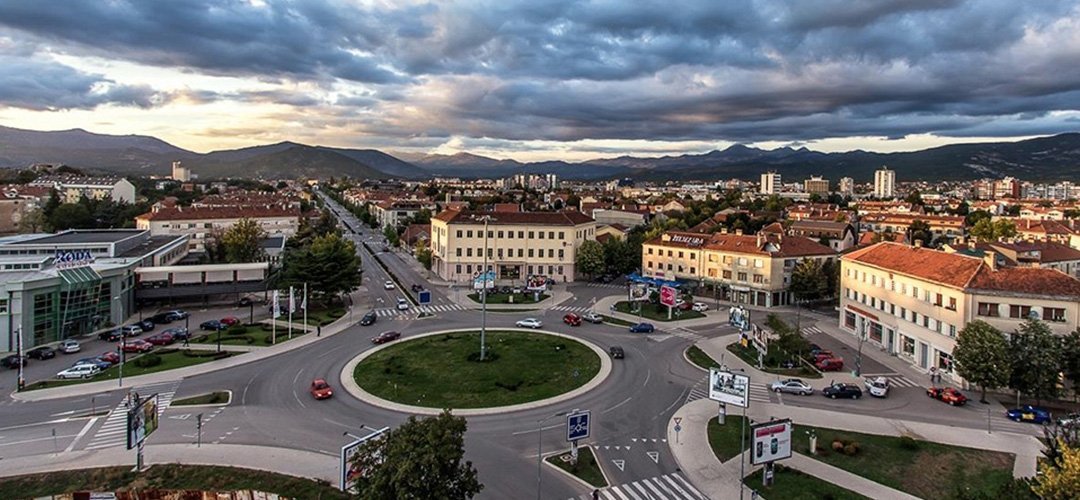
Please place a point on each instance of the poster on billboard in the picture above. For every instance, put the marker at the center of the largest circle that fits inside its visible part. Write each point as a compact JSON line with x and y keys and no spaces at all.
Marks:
{"x":761,"y":339}
{"x":142,"y":420}
{"x":668,"y":296}
{"x":729,"y":388}
{"x":482,"y":280}
{"x":350,"y":472}
{"x":638,"y":292}
{"x":770,"y":441}
{"x":536,"y":283}
{"x":739,"y":317}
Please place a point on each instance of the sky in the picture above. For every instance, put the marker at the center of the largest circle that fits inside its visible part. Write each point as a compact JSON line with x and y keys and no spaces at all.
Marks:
{"x":537,"y":80}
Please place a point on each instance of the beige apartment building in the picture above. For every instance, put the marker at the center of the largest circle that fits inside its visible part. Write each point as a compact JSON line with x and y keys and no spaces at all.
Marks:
{"x":751,"y":269}
{"x":912,"y":302}
{"x":519,"y":245}
{"x":200,"y":223}
{"x":71,"y":188}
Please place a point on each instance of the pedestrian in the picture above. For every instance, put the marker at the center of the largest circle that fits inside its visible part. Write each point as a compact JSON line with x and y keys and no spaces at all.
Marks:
{"x":187,"y":340}
{"x":933,"y":375}
{"x":318,"y":330}
{"x":595,"y":494}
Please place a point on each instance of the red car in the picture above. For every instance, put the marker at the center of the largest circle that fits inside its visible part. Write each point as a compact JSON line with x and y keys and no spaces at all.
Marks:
{"x":136,"y":345}
{"x":111,"y":357}
{"x":829,"y":364}
{"x":572,"y":319}
{"x":320,"y":389}
{"x":230,"y":320}
{"x":823,"y":354}
{"x":385,"y":337}
{"x":947,"y":395}
{"x":161,"y":339}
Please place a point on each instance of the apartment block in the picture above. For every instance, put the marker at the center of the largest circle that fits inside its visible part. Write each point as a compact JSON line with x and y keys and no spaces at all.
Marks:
{"x":199,"y":224}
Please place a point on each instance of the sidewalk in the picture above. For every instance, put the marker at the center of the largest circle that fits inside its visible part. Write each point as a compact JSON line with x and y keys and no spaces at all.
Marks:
{"x":716,"y":348}
{"x":843,"y":478}
{"x":224,"y":347}
{"x":297,"y":463}
{"x":695,"y":457}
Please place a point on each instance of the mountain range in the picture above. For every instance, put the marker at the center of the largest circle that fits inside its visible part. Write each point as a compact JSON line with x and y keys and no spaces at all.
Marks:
{"x":1044,"y":159}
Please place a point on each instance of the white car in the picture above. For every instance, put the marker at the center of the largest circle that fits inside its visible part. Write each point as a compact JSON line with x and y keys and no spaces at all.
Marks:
{"x":388,"y":285}
{"x":792,"y":386}
{"x":70,"y":346}
{"x":877,"y":387}
{"x":79,"y":371}
{"x":529,"y":323}
{"x":402,"y":304}
{"x":700,"y":307}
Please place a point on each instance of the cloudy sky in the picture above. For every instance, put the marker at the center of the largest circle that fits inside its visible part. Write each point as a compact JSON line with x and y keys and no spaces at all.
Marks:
{"x":542,"y":79}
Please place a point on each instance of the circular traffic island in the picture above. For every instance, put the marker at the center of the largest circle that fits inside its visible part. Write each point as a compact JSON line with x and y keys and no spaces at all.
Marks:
{"x":444,"y":370}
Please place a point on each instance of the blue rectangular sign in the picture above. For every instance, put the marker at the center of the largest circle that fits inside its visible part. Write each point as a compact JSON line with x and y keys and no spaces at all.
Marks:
{"x":577,"y":425}
{"x":425,"y":297}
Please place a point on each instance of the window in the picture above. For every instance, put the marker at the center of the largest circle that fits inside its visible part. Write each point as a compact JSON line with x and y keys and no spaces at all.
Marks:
{"x":759,"y":278}
{"x":551,"y":253}
{"x":459,"y":252}
{"x":903,"y":313}
{"x":458,"y":270}
{"x":521,"y":252}
{"x":531,"y":235}
{"x":3,"y":306}
{"x":952,"y":304}
{"x":491,"y":234}
{"x":551,"y":235}
{"x":468,"y":268}
{"x":680,"y":269}
{"x":907,"y":345}
{"x":669,"y":253}
{"x":873,"y":280}
{"x":742,"y":261}
{"x":650,"y":250}
{"x":458,"y":233}
{"x":680,"y":254}
{"x":489,"y":253}
{"x":952,"y":330}
{"x":1016,"y":311}
{"x":742,"y":276}
{"x":521,"y":235}
{"x":1055,"y":314}
{"x":849,"y":319}
{"x":727,"y":275}
{"x":509,"y":235}
{"x":530,"y":254}
{"x":758,"y":263}
{"x":988,"y":309}
{"x":468,"y":252}
{"x":468,"y":233}
{"x":915,"y":292}
{"x":560,"y":254}
{"x":692,"y":256}
{"x":648,"y":264}
{"x":693,"y":271}
{"x":560,"y":270}
{"x":561,"y":237}
{"x":669,"y":267}
{"x":500,"y":253}
{"x":939,"y":301}
{"x":500,"y":234}
{"x":727,"y":259}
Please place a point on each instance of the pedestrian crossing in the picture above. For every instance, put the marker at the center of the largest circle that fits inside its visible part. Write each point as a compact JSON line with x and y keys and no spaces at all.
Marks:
{"x":574,"y":309}
{"x":895,"y":379}
{"x":812,"y":330}
{"x":606,"y":285}
{"x":758,"y":392}
{"x":387,"y":312}
{"x":666,"y":487}
{"x":114,"y":431}
{"x":684,"y":333}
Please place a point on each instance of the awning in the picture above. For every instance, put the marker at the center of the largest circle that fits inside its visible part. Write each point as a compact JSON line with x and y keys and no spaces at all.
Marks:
{"x":79,"y":275}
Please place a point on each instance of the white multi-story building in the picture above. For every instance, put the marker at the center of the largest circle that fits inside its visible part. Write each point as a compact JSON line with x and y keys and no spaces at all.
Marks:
{"x":180,"y":172}
{"x":847,"y":186}
{"x":770,"y":183}
{"x":71,"y":188}
{"x":884,"y":183}
{"x":202,"y":223}
{"x":816,"y":185}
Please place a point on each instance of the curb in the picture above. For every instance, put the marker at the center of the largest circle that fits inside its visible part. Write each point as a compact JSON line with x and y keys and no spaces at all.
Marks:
{"x":354,"y":389}
{"x":687,"y":358}
{"x":208,"y":405}
{"x":575,"y":478}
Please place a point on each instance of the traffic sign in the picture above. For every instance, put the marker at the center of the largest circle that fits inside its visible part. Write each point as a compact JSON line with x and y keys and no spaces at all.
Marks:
{"x":678,"y":420}
{"x":577,"y":425}
{"x":425,"y":296}
{"x":667,"y":296}
{"x":678,"y":428}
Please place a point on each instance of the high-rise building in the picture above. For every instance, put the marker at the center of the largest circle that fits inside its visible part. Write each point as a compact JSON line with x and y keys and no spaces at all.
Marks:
{"x":816,"y":185}
{"x":1008,"y":187}
{"x":180,"y":173}
{"x":847,"y":186}
{"x":884,"y":183}
{"x":770,"y":183}
{"x":552,"y":181}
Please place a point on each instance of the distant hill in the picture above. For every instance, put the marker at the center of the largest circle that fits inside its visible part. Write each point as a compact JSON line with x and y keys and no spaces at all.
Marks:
{"x":382,"y":162}
{"x":470,"y":165}
{"x":294,"y":161}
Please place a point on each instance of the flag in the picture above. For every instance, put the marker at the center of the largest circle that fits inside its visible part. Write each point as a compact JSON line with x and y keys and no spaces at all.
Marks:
{"x":303,"y":302}
{"x":277,"y":304}
{"x":292,"y":301}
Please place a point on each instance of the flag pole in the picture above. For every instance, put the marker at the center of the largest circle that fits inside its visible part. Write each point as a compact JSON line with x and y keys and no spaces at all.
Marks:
{"x":275,"y":311}
{"x":305,"y":304}
{"x":292,"y":305}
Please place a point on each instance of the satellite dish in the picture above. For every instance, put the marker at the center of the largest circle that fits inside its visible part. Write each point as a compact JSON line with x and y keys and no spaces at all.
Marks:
{"x":1033,"y":314}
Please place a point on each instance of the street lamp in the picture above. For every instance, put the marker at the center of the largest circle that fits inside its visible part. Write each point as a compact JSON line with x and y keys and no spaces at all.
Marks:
{"x":862,"y":337}
{"x":483,"y":291}
{"x":123,"y":342}
{"x":540,"y":444}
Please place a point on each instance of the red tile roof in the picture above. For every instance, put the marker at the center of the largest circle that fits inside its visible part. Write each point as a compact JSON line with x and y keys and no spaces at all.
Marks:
{"x":565,"y":218}
{"x":1027,"y":280}
{"x":766,"y":244}
{"x":191,"y":213}
{"x":949,"y":269}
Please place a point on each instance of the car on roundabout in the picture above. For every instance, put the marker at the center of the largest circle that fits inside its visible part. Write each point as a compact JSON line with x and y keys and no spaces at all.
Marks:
{"x":616,"y":352}
{"x":838,"y":390}
{"x":792,"y":386}
{"x":592,"y":317}
{"x":1028,"y":413}
{"x":388,"y":285}
{"x":402,"y":304}
{"x":529,"y":323}
{"x":1070,"y":420}
{"x":385,"y":337}
{"x":369,"y":319}
{"x":642,"y":328}
{"x":79,"y":371}
{"x":320,"y":389}
{"x":948,"y":395}
{"x":572,"y":319}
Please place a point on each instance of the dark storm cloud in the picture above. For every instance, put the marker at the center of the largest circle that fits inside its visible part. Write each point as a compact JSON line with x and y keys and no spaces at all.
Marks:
{"x":34,"y":85}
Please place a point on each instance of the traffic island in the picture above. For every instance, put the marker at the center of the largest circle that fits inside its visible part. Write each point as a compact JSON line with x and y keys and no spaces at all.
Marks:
{"x":522,"y":369}
{"x":505,"y":298}
{"x":790,"y":484}
{"x":655,"y":312}
{"x":152,"y":362}
{"x":585,"y":469}
{"x":216,"y":398}
{"x":771,"y":362}
{"x":724,"y":439}
{"x":700,"y":359}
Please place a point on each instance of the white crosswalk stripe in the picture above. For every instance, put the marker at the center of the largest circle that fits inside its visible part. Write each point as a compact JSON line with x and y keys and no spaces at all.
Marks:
{"x":671,"y":486}
{"x":571,"y":308}
{"x":812,"y":330}
{"x":606,"y":285}
{"x":387,"y":312}
{"x":114,"y":431}
{"x":700,"y":390}
{"x":684,"y":333}
{"x":895,"y":379}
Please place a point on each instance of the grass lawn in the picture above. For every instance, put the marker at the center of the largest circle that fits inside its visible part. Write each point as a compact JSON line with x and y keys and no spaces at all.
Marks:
{"x":724,"y":439}
{"x":170,"y":360}
{"x":504,"y":298}
{"x":656,"y":312}
{"x":698,"y":357}
{"x":213,"y":398}
{"x":616,"y":321}
{"x":750,"y":356}
{"x":586,"y":468}
{"x":920,"y":468}
{"x":441,"y":372}
{"x":321,"y":316}
{"x":165,"y":477}
{"x":259,"y":335}
{"x":790,"y":484}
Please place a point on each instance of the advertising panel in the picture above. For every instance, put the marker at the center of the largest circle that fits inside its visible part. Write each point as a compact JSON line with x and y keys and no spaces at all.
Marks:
{"x":729,"y":388}
{"x":350,"y":472}
{"x":668,"y":296}
{"x":639,"y":292}
{"x":761,"y":339}
{"x":770,"y":441}
{"x":142,"y":420}
{"x":483,"y":280}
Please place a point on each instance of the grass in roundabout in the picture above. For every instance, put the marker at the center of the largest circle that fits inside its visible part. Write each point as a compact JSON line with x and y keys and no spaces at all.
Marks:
{"x":443,"y":371}
{"x":504,"y":298}
{"x":700,"y":358}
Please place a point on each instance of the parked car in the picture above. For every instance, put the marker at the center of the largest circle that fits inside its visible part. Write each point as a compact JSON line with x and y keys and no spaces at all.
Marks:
{"x":592,"y":317}
{"x":320,"y":389}
{"x":178,"y":314}
{"x":111,"y":357}
{"x":842,"y":391}
{"x":146,"y":325}
{"x":178,"y":333}
{"x":572,"y":319}
{"x":815,"y":349}
{"x":388,"y":285}
{"x":642,"y":328}
{"x":1028,"y":413}
{"x":877,"y":387}
{"x":80,"y":371}
{"x":948,"y":395}
{"x":792,"y":386}
{"x":111,"y":335}
{"x":829,"y":364}
{"x":385,"y":337}
{"x":69,"y":346}
{"x":517,"y":290}
{"x":369,"y":318}
{"x":529,"y":323}
{"x":616,"y":352}
{"x":14,"y":361}
{"x":212,"y":324}
{"x":245,"y":302}
{"x":822,"y":354}
{"x":163,"y":318}
{"x":1070,"y":420}
{"x":417,"y":288}
{"x":43,"y":352}
{"x":700,"y":307}
{"x":402,"y":304}
{"x":131,"y":330}
{"x":161,"y":339}
{"x":230,"y":321}
{"x":136,"y":345}
{"x":97,"y":361}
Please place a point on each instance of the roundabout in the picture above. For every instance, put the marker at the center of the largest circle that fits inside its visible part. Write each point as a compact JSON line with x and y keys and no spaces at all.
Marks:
{"x":523,"y":369}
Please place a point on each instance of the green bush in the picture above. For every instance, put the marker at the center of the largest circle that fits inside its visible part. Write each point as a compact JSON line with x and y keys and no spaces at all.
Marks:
{"x":908,"y":443}
{"x":147,"y":360}
{"x":237,"y":330}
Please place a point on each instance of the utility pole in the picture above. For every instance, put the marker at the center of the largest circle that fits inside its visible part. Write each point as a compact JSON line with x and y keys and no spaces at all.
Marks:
{"x":483,"y":293}
{"x":858,"y":357}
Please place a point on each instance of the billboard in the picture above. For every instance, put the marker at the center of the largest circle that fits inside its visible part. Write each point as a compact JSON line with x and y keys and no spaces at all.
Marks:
{"x":770,"y":441}
{"x":668,"y":296}
{"x":350,"y":472}
{"x":536,"y":283}
{"x":482,"y":280}
{"x":761,"y":339}
{"x":142,"y":420}
{"x":638,"y":292}
{"x":67,"y":259}
{"x":739,"y":317}
{"x":729,"y":388}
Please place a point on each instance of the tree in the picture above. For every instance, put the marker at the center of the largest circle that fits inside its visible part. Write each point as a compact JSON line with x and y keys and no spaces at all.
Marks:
{"x":71,"y":216}
{"x":422,"y":458}
{"x":808,"y":281}
{"x":32,"y":221}
{"x":975,"y":216}
{"x":423,"y":254}
{"x":329,"y":265}
{"x":1070,"y":358}
{"x":590,"y":258}
{"x":920,"y":230}
{"x":391,"y":235}
{"x":914,"y":197}
{"x":241,"y":242}
{"x":993,"y":230}
{"x":982,"y":356}
{"x":1059,"y":480}
{"x":1035,"y":360}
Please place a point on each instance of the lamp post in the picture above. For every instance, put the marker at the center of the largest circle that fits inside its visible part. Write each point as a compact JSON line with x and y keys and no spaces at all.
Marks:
{"x":858,"y":357}
{"x":483,"y":292}
{"x":540,"y":444}
{"x":123,"y":342}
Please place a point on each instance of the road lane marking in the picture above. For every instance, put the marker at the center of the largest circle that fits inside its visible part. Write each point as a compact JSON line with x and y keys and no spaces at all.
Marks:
{"x":13,"y":443}
{"x":85,"y":429}
{"x":627,"y":400}
{"x":556,"y":426}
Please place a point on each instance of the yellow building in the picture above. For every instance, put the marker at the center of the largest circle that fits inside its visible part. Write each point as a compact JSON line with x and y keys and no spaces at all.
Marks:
{"x":519,"y":245}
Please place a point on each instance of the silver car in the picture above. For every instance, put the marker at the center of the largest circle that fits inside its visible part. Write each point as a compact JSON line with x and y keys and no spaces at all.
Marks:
{"x":792,"y":386}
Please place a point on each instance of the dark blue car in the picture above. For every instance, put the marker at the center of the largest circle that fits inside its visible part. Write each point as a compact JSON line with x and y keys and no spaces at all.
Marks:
{"x":212,"y":325}
{"x":642,"y":328}
{"x":1028,"y":413}
{"x":101,"y":363}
